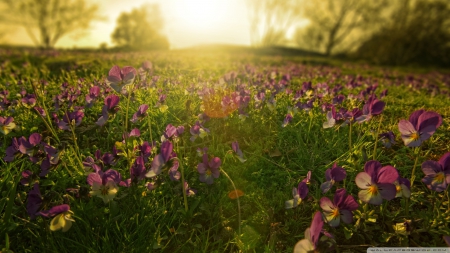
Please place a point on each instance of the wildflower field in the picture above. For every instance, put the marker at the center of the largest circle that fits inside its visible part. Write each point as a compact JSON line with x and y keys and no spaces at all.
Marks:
{"x":215,"y":152}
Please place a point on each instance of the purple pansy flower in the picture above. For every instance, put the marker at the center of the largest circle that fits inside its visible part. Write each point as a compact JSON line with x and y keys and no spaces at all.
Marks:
{"x":6,"y":125}
{"x":34,"y":201}
{"x":104,"y":185}
{"x":376,"y":183}
{"x":189,"y":191}
{"x":137,"y":170}
{"x":12,"y":150}
{"x":160,"y":159}
{"x":94,"y":92}
{"x":238,"y":151}
{"x":403,"y":187}
{"x":118,"y":78}
{"x":209,"y":169}
{"x":31,"y":146}
{"x":307,"y":179}
{"x":335,"y":174}
{"x":437,"y":174}
{"x":140,"y":114}
{"x":62,"y":217}
{"x":388,"y":139}
{"x":172,"y":131}
{"x":110,"y":107}
{"x":287,"y":120}
{"x":372,"y":107}
{"x":341,"y":208}
{"x":420,"y":127}
{"x":312,"y":235}
{"x":51,"y":159}
{"x":71,"y":118}
{"x":198,"y":130}
{"x":331,"y":118}
{"x":299,"y":194}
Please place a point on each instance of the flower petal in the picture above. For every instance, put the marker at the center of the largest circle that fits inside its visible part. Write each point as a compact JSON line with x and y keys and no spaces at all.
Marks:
{"x":326,"y":204}
{"x":431,"y":168}
{"x":429,"y":118}
{"x":326,"y":186}
{"x":414,"y":117}
{"x":363,"y":180}
{"x":368,"y":197}
{"x":372,"y":167}
{"x":387,"y":174}
{"x":387,"y":190}
{"x":304,"y":246}
{"x":316,"y":227}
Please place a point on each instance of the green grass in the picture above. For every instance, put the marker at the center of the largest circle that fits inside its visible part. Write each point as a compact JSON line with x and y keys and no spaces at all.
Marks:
{"x":278,"y":158}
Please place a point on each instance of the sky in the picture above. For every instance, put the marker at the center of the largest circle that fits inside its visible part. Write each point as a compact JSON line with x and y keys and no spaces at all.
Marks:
{"x":187,"y":23}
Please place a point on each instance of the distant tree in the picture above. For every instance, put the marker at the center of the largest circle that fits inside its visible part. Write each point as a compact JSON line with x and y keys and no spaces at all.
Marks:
{"x":140,"y":29}
{"x":335,"y":23}
{"x":47,"y":21}
{"x":271,"y":19}
{"x":417,"y":31}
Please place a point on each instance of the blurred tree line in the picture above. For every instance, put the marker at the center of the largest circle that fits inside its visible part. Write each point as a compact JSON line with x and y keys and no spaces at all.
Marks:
{"x":47,"y":21}
{"x":140,"y":29}
{"x":383,"y":31}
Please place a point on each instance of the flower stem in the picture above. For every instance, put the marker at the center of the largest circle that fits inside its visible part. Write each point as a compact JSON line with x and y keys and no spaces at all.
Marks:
{"x":149,"y":126}
{"x":237,"y":198}
{"x":376,"y":139}
{"x":186,"y":207}
{"x":350,"y":136}
{"x":413,"y":176}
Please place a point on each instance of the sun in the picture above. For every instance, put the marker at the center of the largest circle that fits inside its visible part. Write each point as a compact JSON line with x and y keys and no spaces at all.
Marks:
{"x":201,"y":15}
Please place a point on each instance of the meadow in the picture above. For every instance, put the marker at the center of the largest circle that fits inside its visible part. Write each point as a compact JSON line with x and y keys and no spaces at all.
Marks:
{"x":220,"y":152}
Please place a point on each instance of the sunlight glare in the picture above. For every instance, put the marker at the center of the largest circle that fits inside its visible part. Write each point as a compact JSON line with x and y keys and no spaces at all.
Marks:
{"x":201,"y":15}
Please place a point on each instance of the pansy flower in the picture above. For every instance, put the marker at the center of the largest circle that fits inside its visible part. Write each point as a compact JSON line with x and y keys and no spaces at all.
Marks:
{"x":209,"y":169}
{"x":94,"y":93}
{"x":287,"y":120}
{"x":437,"y":174}
{"x":420,"y":127}
{"x":335,"y":174}
{"x":172,"y":131}
{"x":403,"y":187}
{"x":34,"y":201}
{"x":62,"y":217}
{"x":388,"y":139}
{"x":312,"y":235}
{"x":6,"y":125}
{"x":137,"y":170}
{"x":104,"y":185}
{"x":238,"y":151}
{"x":189,"y":191}
{"x":118,"y":78}
{"x":331,"y":118}
{"x":74,"y":118}
{"x":51,"y":159}
{"x":31,"y":146}
{"x":198,"y":130}
{"x":161,"y":159}
{"x":340,"y":209}
{"x":372,"y":107}
{"x":140,"y":114}
{"x":12,"y":150}
{"x":111,"y":106}
{"x":299,"y":194}
{"x":376,"y":183}
{"x":307,"y":179}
